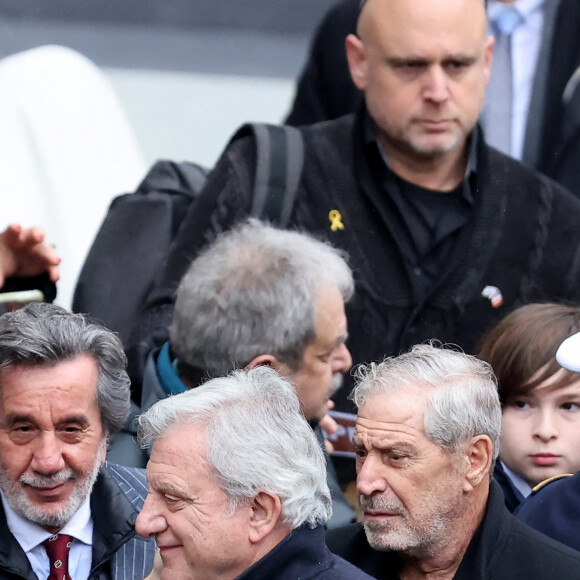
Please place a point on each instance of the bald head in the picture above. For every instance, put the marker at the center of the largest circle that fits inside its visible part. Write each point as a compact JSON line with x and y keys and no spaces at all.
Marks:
{"x":380,"y":17}
{"x":363,"y":2}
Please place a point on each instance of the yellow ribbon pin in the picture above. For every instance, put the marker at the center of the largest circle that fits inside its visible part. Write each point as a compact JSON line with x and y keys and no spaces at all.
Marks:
{"x":335,"y":220}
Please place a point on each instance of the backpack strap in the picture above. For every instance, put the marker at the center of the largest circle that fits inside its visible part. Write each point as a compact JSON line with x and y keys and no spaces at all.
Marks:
{"x":279,"y":162}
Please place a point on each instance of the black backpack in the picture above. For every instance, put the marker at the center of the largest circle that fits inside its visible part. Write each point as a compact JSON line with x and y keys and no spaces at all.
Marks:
{"x":136,"y":234}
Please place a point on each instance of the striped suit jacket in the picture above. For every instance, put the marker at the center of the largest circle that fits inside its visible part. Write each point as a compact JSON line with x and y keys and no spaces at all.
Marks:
{"x":133,"y":560}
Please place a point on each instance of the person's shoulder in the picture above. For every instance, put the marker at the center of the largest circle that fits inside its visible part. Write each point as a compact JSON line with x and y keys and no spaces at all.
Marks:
{"x":343,"y":123}
{"x":505,"y":167}
{"x":330,"y":142}
{"x":548,"y":496}
{"x":512,"y":549}
{"x":549,"y":483}
{"x":242,"y":146}
{"x":130,"y":479}
{"x":554,"y":509}
{"x":252,"y":140}
{"x":341,"y":569}
{"x":528,"y":183}
{"x":539,"y":550}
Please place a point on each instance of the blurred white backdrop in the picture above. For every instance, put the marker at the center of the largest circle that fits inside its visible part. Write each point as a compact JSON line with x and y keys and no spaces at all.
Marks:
{"x":183,"y":93}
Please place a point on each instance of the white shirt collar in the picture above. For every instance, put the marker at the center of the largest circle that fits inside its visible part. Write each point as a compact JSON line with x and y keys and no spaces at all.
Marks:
{"x":29,"y":535}
{"x":518,"y":482}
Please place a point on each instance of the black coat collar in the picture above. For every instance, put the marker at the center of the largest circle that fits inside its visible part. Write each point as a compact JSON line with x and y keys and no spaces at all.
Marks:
{"x":487,"y":543}
{"x":301,"y":554}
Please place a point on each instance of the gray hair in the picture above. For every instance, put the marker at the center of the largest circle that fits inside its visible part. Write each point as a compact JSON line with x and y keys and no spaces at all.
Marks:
{"x":257,"y":438}
{"x":46,"y":334}
{"x":253,"y":292}
{"x":463,"y":401}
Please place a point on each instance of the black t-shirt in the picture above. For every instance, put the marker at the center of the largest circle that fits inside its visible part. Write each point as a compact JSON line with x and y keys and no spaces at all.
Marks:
{"x":425,"y":223}
{"x":432,"y":221}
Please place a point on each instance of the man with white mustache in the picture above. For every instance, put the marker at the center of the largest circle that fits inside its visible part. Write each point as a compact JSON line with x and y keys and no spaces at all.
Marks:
{"x":426,"y":438}
{"x":64,"y":512}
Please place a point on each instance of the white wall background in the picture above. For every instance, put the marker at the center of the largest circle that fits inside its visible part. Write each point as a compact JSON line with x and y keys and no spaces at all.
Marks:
{"x":176,"y":114}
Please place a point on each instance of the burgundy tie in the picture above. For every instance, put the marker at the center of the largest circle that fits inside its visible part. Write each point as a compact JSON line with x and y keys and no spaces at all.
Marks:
{"x":57,"y":548}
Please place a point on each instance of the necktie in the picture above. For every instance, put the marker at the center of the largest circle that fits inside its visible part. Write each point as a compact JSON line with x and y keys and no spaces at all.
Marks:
{"x":57,"y":548}
{"x":499,"y":96}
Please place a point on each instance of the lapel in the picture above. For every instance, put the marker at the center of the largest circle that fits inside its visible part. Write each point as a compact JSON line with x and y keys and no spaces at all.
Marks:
{"x":487,"y":546}
{"x":12,"y":557}
{"x":114,"y":520}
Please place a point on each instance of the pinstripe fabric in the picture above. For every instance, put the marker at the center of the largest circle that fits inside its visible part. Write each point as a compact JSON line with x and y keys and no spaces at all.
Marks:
{"x":134,"y":559}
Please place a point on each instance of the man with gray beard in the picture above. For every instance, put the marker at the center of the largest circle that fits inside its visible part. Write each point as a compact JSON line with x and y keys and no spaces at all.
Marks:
{"x":426,"y":438}
{"x":64,"y":512}
{"x":260,"y":296}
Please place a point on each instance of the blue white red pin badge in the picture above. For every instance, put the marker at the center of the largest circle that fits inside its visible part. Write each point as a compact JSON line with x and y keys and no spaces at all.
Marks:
{"x":493,"y":294}
{"x":335,"y":218}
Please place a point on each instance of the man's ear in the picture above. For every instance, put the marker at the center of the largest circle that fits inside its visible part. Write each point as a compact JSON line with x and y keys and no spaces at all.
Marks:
{"x":357,"y":61}
{"x":479,"y":454}
{"x":266,"y":510}
{"x":262,"y":360}
{"x":268,"y":360}
{"x":488,"y":57}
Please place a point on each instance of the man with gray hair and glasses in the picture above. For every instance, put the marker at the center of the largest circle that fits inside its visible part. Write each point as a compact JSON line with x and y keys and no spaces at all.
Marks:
{"x":426,"y":438}
{"x":260,"y":296}
{"x":64,"y":512}
{"x":237,"y":485}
